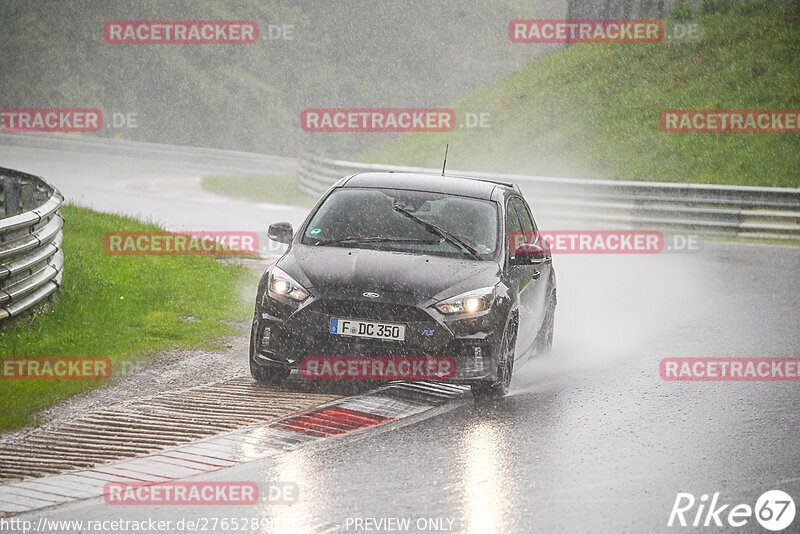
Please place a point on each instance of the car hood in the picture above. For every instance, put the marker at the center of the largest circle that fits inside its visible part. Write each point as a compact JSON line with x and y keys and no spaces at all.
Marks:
{"x":377,"y":270}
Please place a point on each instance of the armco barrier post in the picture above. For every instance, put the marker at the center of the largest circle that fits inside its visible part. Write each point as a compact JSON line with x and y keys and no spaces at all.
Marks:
{"x":11,"y":197}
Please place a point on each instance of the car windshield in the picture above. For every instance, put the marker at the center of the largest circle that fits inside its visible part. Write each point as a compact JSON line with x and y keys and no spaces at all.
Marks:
{"x":409,"y":221}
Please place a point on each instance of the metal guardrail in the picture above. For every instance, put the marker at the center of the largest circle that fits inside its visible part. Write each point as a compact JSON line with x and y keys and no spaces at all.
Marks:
{"x":754,"y":212}
{"x":31,"y":258}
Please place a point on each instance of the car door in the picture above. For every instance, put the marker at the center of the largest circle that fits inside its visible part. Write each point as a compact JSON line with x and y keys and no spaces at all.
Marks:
{"x":533,"y":288}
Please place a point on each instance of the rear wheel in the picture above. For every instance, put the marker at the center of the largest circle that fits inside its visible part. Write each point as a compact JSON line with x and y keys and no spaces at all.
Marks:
{"x":505,"y":367}
{"x":273,"y":375}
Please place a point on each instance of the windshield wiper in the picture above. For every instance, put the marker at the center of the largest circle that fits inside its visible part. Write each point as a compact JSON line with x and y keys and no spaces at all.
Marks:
{"x":444,"y":234}
{"x":357,"y":240}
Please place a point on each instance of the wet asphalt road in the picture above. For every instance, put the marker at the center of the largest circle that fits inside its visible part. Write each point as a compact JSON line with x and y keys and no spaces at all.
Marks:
{"x":591,"y":439}
{"x":166,"y":194}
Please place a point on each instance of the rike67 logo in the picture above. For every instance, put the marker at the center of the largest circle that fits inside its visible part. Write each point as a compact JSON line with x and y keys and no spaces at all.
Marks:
{"x":774,"y":510}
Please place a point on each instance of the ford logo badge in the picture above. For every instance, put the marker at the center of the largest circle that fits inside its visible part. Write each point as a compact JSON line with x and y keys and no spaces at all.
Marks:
{"x":371,"y":295}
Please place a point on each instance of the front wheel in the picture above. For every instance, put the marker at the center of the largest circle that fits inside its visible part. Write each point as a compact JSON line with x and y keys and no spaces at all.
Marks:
{"x":548,"y":326}
{"x":273,"y":375}
{"x":505,"y":367}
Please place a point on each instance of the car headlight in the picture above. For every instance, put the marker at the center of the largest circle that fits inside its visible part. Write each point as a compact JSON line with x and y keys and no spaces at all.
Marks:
{"x":283,"y":285}
{"x":473,"y":301}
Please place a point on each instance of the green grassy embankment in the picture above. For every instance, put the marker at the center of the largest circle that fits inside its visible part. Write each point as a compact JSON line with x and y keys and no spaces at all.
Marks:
{"x":122,"y":307}
{"x":267,"y":188}
{"x":592,"y":110}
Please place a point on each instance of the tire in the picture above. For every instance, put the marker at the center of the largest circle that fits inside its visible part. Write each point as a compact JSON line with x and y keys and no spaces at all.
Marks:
{"x":272,"y":375}
{"x":505,"y":367}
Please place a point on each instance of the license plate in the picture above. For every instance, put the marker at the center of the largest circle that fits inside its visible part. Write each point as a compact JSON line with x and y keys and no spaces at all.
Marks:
{"x":350,"y":327}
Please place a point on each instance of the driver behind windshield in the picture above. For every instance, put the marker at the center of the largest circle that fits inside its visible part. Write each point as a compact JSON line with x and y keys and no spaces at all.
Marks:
{"x":361,"y":216}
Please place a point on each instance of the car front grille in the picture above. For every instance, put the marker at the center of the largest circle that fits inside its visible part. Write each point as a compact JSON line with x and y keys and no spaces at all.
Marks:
{"x":370,"y":311}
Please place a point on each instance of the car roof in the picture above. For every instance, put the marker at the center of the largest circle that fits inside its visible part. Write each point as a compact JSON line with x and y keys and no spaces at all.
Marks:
{"x":435,"y":183}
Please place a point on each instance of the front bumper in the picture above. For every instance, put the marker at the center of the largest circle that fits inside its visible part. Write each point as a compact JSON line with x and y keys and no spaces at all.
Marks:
{"x":284,"y":333}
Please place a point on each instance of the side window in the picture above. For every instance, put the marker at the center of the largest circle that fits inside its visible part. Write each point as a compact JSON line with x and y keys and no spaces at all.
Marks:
{"x":528,"y":229}
{"x":513,"y":230}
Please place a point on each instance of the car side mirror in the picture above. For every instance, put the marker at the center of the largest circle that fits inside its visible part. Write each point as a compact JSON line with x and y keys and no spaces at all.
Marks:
{"x":529,"y":254}
{"x":281,"y":232}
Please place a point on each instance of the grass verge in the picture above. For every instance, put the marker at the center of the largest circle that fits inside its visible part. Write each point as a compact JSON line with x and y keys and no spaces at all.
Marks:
{"x":123,"y":307}
{"x":272,"y":189}
{"x":592,"y":110}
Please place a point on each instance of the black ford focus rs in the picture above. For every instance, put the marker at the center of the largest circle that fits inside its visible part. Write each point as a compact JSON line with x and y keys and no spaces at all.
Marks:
{"x":391,"y":266}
